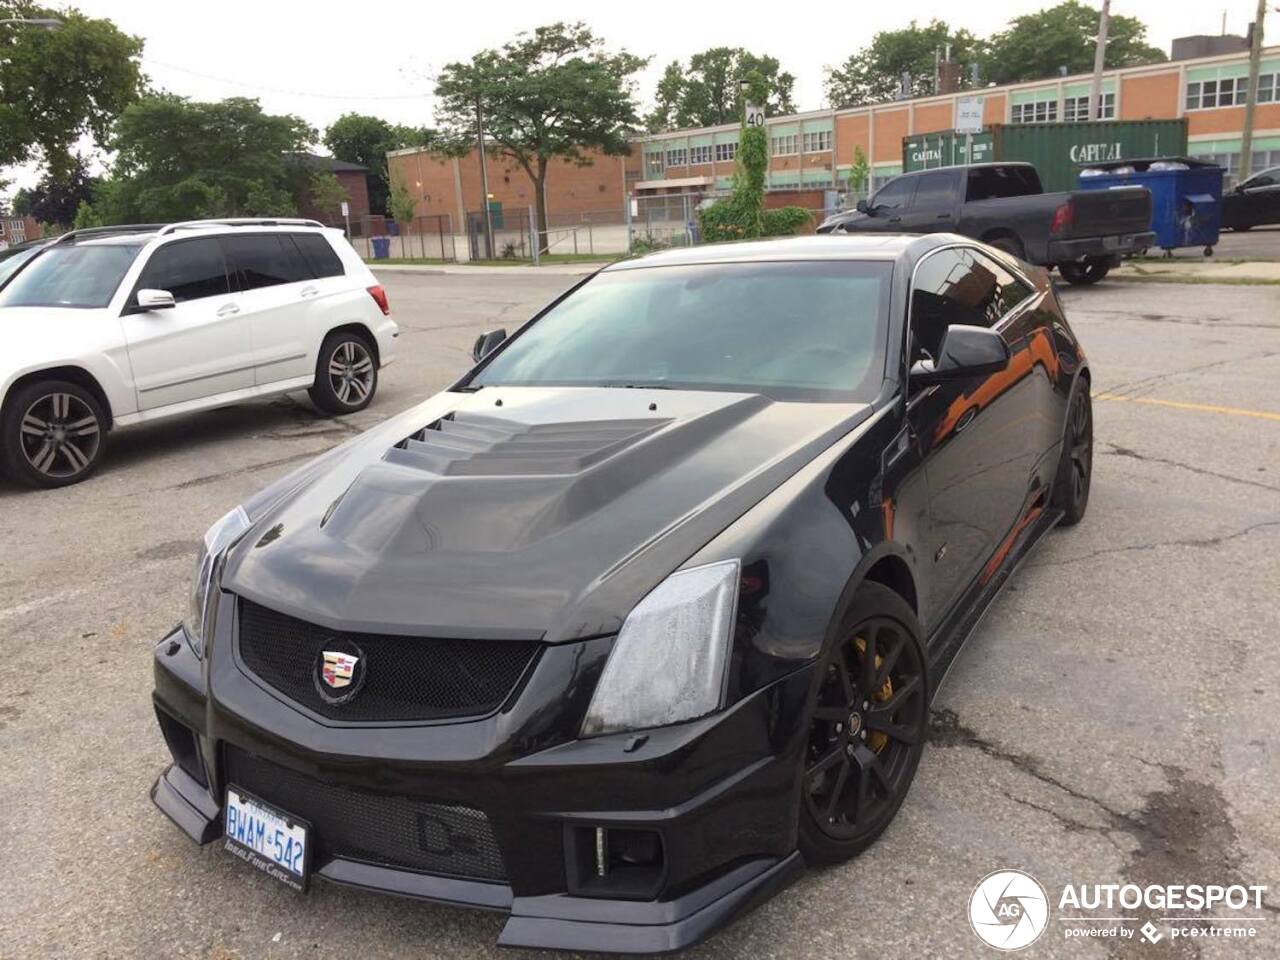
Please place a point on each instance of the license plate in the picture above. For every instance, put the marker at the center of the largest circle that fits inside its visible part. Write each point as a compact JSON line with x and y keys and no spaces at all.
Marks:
{"x":266,"y":837}
{"x":1110,"y":243}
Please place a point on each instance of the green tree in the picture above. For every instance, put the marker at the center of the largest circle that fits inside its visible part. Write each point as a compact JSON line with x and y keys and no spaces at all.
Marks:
{"x":708,"y":92}
{"x":1037,"y":44}
{"x":57,"y":196}
{"x":859,"y":172}
{"x":551,"y":94}
{"x":178,"y":159}
{"x":327,"y":193}
{"x":402,"y":205}
{"x":742,"y":215}
{"x":874,"y":73}
{"x":59,"y":86}
{"x":359,"y":138}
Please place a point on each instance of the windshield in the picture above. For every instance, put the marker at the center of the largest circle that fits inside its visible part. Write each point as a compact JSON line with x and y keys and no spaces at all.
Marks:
{"x":12,"y":261}
{"x":790,"y":330}
{"x":71,"y":276}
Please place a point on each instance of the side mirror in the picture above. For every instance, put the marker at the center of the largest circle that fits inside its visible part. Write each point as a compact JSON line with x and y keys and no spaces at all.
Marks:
{"x":155,"y":300}
{"x":966,"y":352}
{"x":486,"y":343}
{"x":863,"y":207}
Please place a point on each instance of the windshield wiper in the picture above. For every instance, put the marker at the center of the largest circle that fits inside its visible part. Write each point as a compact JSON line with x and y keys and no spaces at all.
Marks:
{"x":634,"y":386}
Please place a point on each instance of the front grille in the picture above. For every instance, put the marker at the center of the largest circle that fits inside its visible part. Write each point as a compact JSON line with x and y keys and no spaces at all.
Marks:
{"x":405,"y":678}
{"x":391,"y":831}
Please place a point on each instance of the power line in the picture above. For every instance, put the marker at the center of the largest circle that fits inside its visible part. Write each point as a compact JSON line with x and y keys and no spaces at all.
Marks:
{"x":262,"y":88}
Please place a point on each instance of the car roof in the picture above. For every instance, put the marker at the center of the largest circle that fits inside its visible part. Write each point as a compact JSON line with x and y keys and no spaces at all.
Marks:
{"x":884,"y":246}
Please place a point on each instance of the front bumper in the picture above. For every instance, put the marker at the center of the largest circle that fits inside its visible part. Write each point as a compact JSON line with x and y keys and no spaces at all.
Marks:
{"x":1082,"y":248}
{"x":721,"y":793}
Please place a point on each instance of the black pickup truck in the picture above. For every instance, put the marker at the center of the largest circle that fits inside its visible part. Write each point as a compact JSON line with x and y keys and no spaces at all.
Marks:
{"x":1081,"y":232}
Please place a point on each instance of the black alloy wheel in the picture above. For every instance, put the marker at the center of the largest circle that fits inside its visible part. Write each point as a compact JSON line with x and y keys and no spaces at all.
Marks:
{"x":1084,"y":274}
{"x":346,"y":374}
{"x":867,"y":729}
{"x":52,"y":434}
{"x":1075,"y":469}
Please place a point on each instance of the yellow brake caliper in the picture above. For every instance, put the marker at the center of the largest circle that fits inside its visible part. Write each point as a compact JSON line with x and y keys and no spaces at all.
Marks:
{"x":876,"y":740}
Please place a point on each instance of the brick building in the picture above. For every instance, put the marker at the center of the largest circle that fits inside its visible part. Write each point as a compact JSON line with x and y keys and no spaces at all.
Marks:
{"x":452,"y":186}
{"x":355,"y":180}
{"x":813,"y":151}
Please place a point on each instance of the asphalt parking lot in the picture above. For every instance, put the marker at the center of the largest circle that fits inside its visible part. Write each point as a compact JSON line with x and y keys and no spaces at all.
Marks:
{"x":1114,"y":719}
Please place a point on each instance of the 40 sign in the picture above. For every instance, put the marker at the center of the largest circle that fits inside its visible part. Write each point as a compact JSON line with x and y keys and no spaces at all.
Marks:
{"x":755,"y":115}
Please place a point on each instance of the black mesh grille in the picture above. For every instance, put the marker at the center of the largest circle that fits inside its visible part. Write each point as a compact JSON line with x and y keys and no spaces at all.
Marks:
{"x":393,"y":831}
{"x":405,"y":678}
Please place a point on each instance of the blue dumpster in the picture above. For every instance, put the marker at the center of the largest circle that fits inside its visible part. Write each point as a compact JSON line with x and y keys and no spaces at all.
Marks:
{"x":1186,"y":196}
{"x":381,"y":248}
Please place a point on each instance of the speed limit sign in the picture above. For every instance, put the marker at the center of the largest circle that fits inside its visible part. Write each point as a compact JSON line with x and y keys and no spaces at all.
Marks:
{"x":755,"y":115}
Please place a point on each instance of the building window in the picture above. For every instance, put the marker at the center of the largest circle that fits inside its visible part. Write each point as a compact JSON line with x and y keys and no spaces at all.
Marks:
{"x":1039,"y":111}
{"x":1208,"y":94}
{"x":700,"y":154}
{"x":726,"y":151}
{"x":782,"y":146}
{"x":653,"y":163}
{"x":677,"y":157}
{"x":817,"y":142}
{"x":1076,"y":109}
{"x":1268,"y":87}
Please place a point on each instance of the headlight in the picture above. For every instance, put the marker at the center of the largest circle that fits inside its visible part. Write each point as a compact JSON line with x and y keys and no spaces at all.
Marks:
{"x":217,"y":540}
{"x":668,"y":663}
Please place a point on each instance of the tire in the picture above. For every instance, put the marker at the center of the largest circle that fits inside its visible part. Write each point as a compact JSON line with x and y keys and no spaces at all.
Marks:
{"x":346,"y":373}
{"x":1010,"y":245}
{"x":1084,"y":274}
{"x":866,"y":733}
{"x":52,"y":434}
{"x":1075,"y":467}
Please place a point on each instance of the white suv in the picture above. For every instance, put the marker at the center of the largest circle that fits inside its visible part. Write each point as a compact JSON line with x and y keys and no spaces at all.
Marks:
{"x":121,"y":325}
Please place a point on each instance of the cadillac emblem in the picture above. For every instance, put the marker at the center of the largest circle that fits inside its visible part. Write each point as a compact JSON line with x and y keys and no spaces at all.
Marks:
{"x":339,"y":671}
{"x":338,"y":668}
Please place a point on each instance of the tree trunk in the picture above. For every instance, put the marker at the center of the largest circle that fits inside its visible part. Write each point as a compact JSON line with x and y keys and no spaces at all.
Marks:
{"x":540,"y":204}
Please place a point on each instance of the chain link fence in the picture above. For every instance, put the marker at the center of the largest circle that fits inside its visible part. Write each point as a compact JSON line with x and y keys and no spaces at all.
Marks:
{"x":429,"y":237}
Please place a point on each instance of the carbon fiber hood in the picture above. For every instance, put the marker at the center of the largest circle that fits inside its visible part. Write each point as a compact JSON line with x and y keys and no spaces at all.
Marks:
{"x":522,"y":512}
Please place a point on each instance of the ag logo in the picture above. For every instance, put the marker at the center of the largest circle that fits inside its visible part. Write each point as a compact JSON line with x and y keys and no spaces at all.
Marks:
{"x":1008,"y":910}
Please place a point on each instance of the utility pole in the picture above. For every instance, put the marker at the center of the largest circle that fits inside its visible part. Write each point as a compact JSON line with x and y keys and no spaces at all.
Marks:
{"x":484,"y":182}
{"x":1099,"y":62}
{"x":1251,"y":98}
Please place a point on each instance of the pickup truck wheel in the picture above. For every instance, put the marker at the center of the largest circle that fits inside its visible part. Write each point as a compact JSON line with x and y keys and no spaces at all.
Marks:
{"x":1084,"y":274}
{"x":1010,"y":245}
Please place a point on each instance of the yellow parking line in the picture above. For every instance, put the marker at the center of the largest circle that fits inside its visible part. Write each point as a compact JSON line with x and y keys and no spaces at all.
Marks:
{"x":1202,"y":407}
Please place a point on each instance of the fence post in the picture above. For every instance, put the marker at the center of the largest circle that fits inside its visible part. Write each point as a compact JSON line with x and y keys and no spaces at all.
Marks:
{"x":626,"y":218}
{"x":533,"y":233}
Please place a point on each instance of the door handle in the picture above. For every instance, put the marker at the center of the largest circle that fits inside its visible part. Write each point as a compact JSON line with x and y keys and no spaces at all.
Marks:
{"x":309,"y":291}
{"x":228,"y":310}
{"x":895,"y":219}
{"x":944,"y":216}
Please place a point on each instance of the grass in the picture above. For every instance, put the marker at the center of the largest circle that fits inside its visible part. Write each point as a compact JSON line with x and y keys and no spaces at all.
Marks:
{"x":1183,"y":278}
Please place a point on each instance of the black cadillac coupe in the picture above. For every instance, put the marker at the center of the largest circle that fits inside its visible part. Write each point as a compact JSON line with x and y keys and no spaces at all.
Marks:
{"x":646,"y":611}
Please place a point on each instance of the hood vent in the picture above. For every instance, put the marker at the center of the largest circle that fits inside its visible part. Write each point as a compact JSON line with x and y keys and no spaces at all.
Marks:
{"x":474,"y":445}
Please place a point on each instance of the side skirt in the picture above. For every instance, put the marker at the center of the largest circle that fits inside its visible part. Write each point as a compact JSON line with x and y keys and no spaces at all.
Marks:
{"x":951,"y":638}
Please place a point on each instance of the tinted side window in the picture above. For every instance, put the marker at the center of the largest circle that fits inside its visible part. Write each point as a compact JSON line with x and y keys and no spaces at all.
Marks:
{"x":990,"y":183}
{"x":935,"y":191}
{"x":189,"y":269}
{"x":896,"y":193}
{"x":1011,"y":290}
{"x":263,"y":260}
{"x":321,"y":257}
{"x":952,"y":286}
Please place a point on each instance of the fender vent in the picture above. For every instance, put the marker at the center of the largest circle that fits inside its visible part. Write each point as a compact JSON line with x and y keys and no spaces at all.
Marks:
{"x":468,"y":444}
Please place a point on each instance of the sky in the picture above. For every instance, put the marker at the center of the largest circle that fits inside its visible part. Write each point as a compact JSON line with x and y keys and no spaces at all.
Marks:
{"x":322,"y":59}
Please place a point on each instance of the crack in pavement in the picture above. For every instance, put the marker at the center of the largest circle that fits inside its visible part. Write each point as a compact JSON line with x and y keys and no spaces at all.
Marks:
{"x":1119,"y":451}
{"x":1126,"y":389}
{"x":1156,"y":544}
{"x":1182,"y":834}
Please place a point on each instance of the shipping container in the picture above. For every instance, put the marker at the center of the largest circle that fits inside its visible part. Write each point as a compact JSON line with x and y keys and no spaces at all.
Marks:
{"x":1059,"y":150}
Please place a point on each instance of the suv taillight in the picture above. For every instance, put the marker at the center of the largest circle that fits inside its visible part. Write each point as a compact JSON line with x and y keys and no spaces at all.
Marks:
{"x":1063,"y":218}
{"x":380,"y":298}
